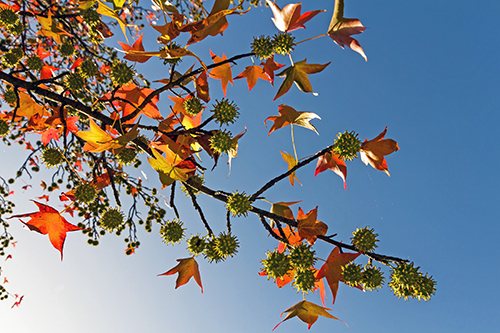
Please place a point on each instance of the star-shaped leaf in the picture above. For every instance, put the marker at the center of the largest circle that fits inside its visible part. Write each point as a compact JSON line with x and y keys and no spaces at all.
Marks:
{"x":307,"y":226}
{"x":186,"y":268}
{"x":334,"y":163}
{"x":50,"y":28}
{"x":341,"y":29}
{"x":270,"y":66}
{"x":298,"y":73}
{"x":222,"y":72}
{"x":292,"y":162}
{"x":99,"y":140}
{"x":332,"y":269}
{"x":289,"y":19}
{"x":289,"y":116}
{"x":372,"y":152}
{"x":307,"y":312}
{"x":137,"y":46}
{"x":252,"y":73}
{"x":48,"y":221}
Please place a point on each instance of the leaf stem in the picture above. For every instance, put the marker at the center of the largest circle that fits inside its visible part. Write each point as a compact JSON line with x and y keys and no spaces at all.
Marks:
{"x":306,"y":40}
{"x":293,"y":143}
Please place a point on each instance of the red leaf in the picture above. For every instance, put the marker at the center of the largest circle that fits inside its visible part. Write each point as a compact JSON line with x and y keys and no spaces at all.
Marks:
{"x":222,"y":72}
{"x":270,"y":67}
{"x":334,"y":163}
{"x":48,"y":221}
{"x":186,"y":268}
{"x":137,"y":46}
{"x":252,"y":73}
{"x":373,"y":151}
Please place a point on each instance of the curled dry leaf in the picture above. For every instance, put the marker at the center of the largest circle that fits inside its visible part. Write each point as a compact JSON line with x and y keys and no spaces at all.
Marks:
{"x":372,"y":152}
{"x":289,"y":19}
{"x":186,"y":268}
{"x":307,"y":312}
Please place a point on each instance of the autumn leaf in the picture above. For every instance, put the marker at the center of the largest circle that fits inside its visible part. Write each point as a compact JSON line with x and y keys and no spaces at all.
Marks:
{"x":298,"y":73}
{"x":233,"y":152}
{"x":98,"y":140}
{"x":170,"y":30}
{"x":334,"y":163}
{"x":289,"y":19}
{"x":28,"y":107}
{"x":372,"y":152}
{"x":137,"y":46}
{"x":332,"y":269}
{"x":307,"y":312}
{"x":270,"y":66}
{"x":135,"y":96}
{"x":289,"y":116}
{"x":341,"y":29}
{"x":252,"y":73}
{"x":201,"y":85}
{"x":186,"y":268}
{"x":292,"y":162}
{"x":215,"y":23}
{"x":48,"y":221}
{"x":222,"y":72}
{"x":50,"y":28}
{"x":283,"y":209}
{"x":281,"y":281}
{"x":169,"y":169}
{"x":165,"y":54}
{"x":307,"y":226}
{"x":106,"y":11}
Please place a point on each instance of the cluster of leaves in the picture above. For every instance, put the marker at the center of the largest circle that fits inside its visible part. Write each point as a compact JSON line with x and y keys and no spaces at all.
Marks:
{"x":95,"y":115}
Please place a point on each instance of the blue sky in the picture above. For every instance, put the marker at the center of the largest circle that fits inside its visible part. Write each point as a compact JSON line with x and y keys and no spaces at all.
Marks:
{"x":432,"y":77}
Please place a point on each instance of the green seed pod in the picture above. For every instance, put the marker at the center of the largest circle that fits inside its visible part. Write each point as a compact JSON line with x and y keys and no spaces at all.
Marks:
{"x":364,"y":239}
{"x":34,"y":63}
{"x":283,"y":43}
{"x":193,"y":106}
{"x":75,"y":81}
{"x":67,"y":49}
{"x":51,"y":157}
{"x":302,"y":257}
{"x":221,"y":142}
{"x":372,"y":278}
{"x":211,"y":253}
{"x":347,"y":145}
{"x":197,"y":179}
{"x":10,"y":97}
{"x":225,"y":112}
{"x":85,"y":193}
{"x":121,"y":74}
{"x":426,"y":288}
{"x":8,"y":17}
{"x":227,"y":245}
{"x":196,"y":244}
{"x":126,"y":156}
{"x":263,"y":47}
{"x":172,"y":232}
{"x":4,"y":127}
{"x":352,"y":274}
{"x":276,"y":265}
{"x":112,"y":219}
{"x":304,"y":280}
{"x":238,"y":204}
{"x":91,"y":17}
{"x":88,"y":69}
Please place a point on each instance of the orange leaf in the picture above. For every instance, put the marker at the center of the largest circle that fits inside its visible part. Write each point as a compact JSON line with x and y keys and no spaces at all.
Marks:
{"x":201,"y":85}
{"x":98,"y":140}
{"x":372,"y":152}
{"x":137,"y":46}
{"x":222,"y":72}
{"x":332,"y":269}
{"x":136,"y":96}
{"x":307,"y":312}
{"x":270,"y":67}
{"x":292,"y":162}
{"x":252,"y":73}
{"x":298,"y":73}
{"x":309,"y":229}
{"x":289,"y":116}
{"x":289,"y":19}
{"x":282,"y":281}
{"x":341,"y":29}
{"x":48,"y":221}
{"x":28,"y":107}
{"x":186,"y":268}
{"x":334,"y":163}
{"x":170,"y":30}
{"x":51,"y":29}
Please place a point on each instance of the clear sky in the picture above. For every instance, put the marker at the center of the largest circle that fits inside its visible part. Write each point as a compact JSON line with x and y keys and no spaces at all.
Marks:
{"x":432,"y":77}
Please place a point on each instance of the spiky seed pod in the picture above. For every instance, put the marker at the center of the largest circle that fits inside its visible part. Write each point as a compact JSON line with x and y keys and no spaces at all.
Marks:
{"x":425,"y":288}
{"x":196,"y":244}
{"x":34,"y":63}
{"x":198,"y":180}
{"x":51,"y":157}
{"x":112,"y":219}
{"x":126,"y":156}
{"x":364,"y":239}
{"x":4,"y":127}
{"x":211,"y":253}
{"x":405,"y":274}
{"x":263,"y":47}
{"x":227,"y":245}
{"x":75,"y":81}
{"x":67,"y":49}
{"x":283,"y":43}
{"x":12,"y":58}
{"x":221,"y":142}
{"x":302,"y":256}
{"x":372,"y":278}
{"x":347,"y":145}
{"x":88,"y":69}
{"x":276,"y":265}
{"x":172,"y":232}
{"x":8,"y":17}
{"x":238,"y":204}
{"x":172,"y":61}
{"x":10,"y":96}
{"x":304,"y":280}
{"x":352,"y":274}
{"x":225,"y":112}
{"x":193,"y":106}
{"x":91,"y":17}
{"x":121,"y":74}
{"x":85,"y":193}
{"x":401,"y":291}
